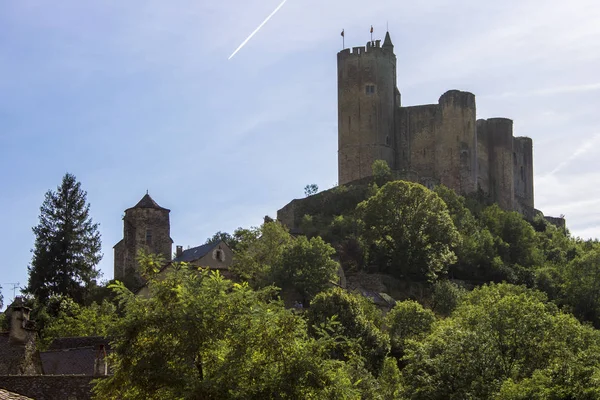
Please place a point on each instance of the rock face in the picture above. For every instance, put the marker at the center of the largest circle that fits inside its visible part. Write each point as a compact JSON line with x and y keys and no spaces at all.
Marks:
{"x":431,"y":144}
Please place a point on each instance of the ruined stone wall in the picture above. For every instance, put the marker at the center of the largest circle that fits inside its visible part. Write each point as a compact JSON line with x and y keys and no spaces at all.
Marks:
{"x":143,"y":228}
{"x":456,"y":142}
{"x":366,"y":110}
{"x":50,"y":387}
{"x":499,"y":132}
{"x":483,"y":165}
{"x":523,"y":174}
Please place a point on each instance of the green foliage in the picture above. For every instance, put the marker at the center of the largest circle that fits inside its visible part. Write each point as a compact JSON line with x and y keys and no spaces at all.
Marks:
{"x":390,"y":380}
{"x":73,"y":319}
{"x":67,"y":245}
{"x":582,"y":286}
{"x":259,"y":253}
{"x":446,"y":297}
{"x":382,"y":173}
{"x":498,"y":333}
{"x":202,"y":336}
{"x":307,"y":266}
{"x":348,"y":309}
{"x":311,"y":189}
{"x":408,"y":320}
{"x":516,"y":240}
{"x":270,"y":255}
{"x":409,"y":231}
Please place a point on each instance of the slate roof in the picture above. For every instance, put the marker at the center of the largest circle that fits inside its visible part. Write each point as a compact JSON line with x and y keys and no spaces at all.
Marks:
{"x":196,"y":253}
{"x":72,"y":355}
{"x":6,"y":395}
{"x":78,"y":342}
{"x":148,"y":202}
{"x":69,"y":362}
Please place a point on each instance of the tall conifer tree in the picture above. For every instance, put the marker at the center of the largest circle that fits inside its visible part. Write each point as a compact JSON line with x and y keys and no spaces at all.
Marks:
{"x":67,"y":245}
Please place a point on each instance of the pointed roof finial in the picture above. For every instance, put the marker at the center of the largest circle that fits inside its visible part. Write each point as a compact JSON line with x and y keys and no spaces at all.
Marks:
{"x":387,"y":43}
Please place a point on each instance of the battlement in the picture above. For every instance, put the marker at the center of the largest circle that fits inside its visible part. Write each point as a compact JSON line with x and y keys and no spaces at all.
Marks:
{"x":370,"y":48}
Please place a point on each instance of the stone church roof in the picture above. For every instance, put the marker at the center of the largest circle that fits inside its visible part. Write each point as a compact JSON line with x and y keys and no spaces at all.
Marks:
{"x":148,"y":202}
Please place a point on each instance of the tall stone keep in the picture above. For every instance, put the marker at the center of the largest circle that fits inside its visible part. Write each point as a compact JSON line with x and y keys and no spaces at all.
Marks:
{"x":367,"y":100}
{"x":146,"y":226}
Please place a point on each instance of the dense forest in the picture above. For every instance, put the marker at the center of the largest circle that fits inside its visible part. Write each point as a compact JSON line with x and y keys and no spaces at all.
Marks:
{"x":510,"y":311}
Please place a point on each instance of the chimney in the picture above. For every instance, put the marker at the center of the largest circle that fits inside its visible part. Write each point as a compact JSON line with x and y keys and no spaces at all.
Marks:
{"x":19,"y":316}
{"x":100,"y":364}
{"x":179,"y":251}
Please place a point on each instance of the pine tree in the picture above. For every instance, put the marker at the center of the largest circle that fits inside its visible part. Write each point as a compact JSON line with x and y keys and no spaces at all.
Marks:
{"x":67,"y":245}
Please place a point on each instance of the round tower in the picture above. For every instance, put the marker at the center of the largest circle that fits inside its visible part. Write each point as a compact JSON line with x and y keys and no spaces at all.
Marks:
{"x":456,"y":142}
{"x":367,"y":103}
{"x":146,"y":227}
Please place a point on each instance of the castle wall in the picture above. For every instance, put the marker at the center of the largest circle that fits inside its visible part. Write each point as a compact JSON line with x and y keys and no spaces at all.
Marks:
{"x":456,"y":142}
{"x":500,"y":138}
{"x":483,"y":166}
{"x":366,"y":110}
{"x":417,"y":133}
{"x":523,"y":174}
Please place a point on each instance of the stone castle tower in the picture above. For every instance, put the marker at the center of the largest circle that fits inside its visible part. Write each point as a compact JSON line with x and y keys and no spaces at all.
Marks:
{"x":146,"y":226}
{"x":432,"y":144}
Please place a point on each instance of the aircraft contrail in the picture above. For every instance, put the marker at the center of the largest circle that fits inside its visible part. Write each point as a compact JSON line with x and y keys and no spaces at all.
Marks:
{"x":257,"y":29}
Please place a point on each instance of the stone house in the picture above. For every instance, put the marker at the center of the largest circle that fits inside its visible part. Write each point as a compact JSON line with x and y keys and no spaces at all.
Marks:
{"x":64,"y":371}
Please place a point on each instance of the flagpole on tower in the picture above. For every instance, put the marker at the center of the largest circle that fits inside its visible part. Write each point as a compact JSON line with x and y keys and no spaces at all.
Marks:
{"x":343,"y":40}
{"x":371,"y":33}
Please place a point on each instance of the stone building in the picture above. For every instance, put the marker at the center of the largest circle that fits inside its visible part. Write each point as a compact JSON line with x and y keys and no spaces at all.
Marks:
{"x":65,"y":371}
{"x":431,"y":144}
{"x":146,"y":226}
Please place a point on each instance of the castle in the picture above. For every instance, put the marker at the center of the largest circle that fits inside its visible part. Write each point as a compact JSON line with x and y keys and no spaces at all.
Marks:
{"x":431,"y":144}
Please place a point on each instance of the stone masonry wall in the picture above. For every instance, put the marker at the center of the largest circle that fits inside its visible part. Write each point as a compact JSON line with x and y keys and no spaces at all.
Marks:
{"x":49,"y":387}
{"x":366,"y":110}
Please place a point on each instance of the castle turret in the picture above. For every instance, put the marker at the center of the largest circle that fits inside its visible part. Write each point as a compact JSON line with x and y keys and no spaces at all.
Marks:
{"x":523,"y":175}
{"x":146,"y":226}
{"x":456,"y":142}
{"x":367,"y":99}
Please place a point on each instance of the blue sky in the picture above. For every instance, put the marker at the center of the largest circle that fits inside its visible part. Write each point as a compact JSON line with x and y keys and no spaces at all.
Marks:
{"x":140,"y":95}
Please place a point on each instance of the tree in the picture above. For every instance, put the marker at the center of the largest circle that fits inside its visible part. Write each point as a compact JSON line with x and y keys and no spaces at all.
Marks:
{"x":348,"y":310}
{"x":311,"y":189}
{"x":381,"y":172}
{"x":407,"y":320}
{"x":73,"y":320}
{"x":500,"y":334}
{"x":582,"y":286}
{"x":409,"y":230}
{"x":67,"y":245}
{"x":307,"y":266}
{"x":1,"y":298}
{"x":200,"y":336}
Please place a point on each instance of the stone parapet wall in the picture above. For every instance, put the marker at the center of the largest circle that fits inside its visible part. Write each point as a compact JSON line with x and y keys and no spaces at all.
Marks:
{"x":49,"y":387}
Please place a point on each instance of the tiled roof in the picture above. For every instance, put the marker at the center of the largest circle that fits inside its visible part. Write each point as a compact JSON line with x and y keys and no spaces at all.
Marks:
{"x":148,"y":202}
{"x":6,"y":395}
{"x":79,"y":342}
{"x":195,"y":253}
